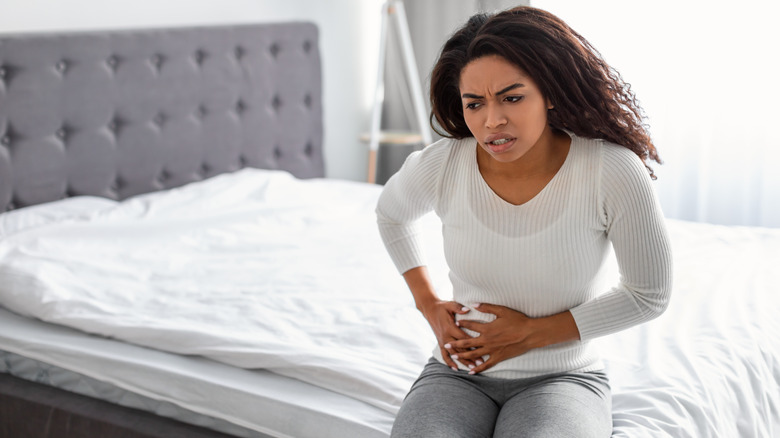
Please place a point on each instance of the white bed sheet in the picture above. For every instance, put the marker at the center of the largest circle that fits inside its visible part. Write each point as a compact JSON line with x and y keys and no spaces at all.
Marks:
{"x":255,"y":269}
{"x":296,"y":281}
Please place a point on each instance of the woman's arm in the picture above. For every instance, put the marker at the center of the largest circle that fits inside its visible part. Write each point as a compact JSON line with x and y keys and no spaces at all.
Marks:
{"x":407,"y":196}
{"x":439,"y":313}
{"x":634,"y":223}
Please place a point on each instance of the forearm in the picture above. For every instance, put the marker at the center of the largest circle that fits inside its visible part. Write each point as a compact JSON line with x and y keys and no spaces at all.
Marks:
{"x":419,"y":282}
{"x":555,"y":329}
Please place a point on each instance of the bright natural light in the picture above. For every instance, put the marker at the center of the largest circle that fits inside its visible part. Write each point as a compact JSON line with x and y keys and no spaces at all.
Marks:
{"x":705,"y":73}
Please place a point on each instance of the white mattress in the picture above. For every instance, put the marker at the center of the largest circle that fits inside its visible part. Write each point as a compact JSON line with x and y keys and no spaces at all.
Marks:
{"x":297,"y":282}
{"x":244,"y":403}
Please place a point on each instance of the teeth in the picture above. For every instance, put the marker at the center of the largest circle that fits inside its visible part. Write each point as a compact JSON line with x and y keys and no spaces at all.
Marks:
{"x":500,"y":142}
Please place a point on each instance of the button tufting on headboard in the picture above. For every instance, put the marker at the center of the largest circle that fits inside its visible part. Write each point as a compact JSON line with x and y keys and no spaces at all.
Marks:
{"x":274,"y":49}
{"x":115,"y":125}
{"x":62,"y":66}
{"x":112,"y":62}
{"x":240,"y":107}
{"x":62,"y":134}
{"x":159,"y":120}
{"x":276,"y":103}
{"x":157,"y":62}
{"x":120,"y":113}
{"x":200,"y":57}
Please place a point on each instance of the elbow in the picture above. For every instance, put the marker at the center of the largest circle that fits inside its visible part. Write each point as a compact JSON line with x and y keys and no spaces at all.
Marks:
{"x":655,"y":303}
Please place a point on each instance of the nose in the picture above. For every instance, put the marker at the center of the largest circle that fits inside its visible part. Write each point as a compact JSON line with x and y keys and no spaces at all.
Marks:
{"x":494,"y":117}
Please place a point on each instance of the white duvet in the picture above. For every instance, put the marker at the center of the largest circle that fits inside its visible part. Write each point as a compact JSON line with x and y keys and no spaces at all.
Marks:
{"x":260,"y":270}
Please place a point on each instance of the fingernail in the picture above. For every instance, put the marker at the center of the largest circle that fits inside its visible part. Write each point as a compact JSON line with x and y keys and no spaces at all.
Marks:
{"x":454,"y":356}
{"x":447,"y":346}
{"x":471,"y":367}
{"x":472,"y":372}
{"x":464,"y":309}
{"x":479,"y":362}
{"x":457,"y":323}
{"x":477,"y":305}
{"x":454,"y":369}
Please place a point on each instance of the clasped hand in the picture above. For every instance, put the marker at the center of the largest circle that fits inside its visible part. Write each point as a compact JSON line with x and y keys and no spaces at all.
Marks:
{"x":511,"y":334}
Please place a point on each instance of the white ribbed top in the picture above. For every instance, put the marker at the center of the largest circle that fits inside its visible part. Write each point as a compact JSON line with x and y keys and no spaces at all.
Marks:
{"x":544,"y":256}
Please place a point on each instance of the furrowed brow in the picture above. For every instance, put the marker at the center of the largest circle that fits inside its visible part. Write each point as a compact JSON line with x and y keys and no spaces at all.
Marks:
{"x":502,"y":91}
{"x":510,"y":88}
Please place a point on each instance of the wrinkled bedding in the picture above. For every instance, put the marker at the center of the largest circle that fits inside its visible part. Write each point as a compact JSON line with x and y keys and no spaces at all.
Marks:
{"x":257,"y":269}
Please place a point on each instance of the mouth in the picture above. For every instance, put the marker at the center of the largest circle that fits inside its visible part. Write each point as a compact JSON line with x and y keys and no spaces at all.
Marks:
{"x":500,"y":141}
{"x":500,"y":144}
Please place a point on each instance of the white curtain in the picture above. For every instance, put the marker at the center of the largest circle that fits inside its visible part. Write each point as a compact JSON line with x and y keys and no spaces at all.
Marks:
{"x":707,"y":74}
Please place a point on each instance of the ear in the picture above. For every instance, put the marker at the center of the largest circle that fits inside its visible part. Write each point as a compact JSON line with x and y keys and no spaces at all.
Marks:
{"x":549,"y":104}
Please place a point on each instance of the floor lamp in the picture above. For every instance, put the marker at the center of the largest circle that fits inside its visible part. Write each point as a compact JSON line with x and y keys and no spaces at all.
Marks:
{"x":393,"y":10}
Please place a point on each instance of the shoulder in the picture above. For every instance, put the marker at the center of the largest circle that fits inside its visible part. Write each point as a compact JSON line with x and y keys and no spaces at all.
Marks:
{"x":421,"y":173}
{"x":432,"y":160}
{"x":625,"y":183}
{"x":434,"y":154}
{"x":620,"y":161}
{"x":600,"y":157}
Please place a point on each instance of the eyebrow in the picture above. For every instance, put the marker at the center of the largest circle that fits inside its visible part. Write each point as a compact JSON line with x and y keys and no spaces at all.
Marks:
{"x":504,"y":90}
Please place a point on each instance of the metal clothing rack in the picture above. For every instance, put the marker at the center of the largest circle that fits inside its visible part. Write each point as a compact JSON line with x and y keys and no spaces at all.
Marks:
{"x":394,"y":10}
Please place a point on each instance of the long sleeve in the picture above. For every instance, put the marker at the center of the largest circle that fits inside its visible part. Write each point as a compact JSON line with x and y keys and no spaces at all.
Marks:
{"x":407,"y":196}
{"x":544,"y":256}
{"x":636,"y":228}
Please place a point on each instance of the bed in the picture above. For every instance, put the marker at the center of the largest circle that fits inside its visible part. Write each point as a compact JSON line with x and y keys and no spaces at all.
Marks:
{"x":174,"y":263}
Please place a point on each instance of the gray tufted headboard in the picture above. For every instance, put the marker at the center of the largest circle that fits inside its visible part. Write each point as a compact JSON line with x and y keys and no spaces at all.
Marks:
{"x":120,"y":113}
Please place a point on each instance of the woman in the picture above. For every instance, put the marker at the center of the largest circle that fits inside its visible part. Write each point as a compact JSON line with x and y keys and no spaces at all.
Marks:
{"x":542,"y":171}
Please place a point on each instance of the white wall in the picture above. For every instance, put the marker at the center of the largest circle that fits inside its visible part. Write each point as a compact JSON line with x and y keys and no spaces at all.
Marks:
{"x":349,"y":40}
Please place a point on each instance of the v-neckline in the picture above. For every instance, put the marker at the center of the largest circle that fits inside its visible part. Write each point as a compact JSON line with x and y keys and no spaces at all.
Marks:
{"x":484,"y":184}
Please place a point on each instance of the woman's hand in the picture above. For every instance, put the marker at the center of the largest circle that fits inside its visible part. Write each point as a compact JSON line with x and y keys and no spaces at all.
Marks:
{"x":439,"y":313}
{"x":441,"y":317}
{"x":511,"y":334}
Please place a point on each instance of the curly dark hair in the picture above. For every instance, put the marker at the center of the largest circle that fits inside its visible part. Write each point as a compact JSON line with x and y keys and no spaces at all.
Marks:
{"x":589,"y":97}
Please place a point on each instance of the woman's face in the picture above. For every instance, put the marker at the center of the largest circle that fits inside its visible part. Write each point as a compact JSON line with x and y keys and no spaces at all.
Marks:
{"x":503,"y":108}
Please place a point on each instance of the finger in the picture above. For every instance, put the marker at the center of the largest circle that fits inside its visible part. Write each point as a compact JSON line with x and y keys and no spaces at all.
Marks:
{"x":476,"y":326}
{"x":472,"y":365}
{"x":466,"y":344}
{"x":473,"y":355}
{"x":458,"y":308}
{"x":489,"y":308}
{"x":455,"y":330}
{"x":447,"y":359}
{"x":483,"y":365}
{"x":455,"y":355}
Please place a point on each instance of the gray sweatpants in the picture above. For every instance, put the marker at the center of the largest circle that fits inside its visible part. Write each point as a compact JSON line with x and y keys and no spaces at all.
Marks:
{"x":447,"y":403}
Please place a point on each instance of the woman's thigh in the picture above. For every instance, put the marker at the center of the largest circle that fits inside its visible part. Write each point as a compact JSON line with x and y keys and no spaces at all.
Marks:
{"x":577,"y":405}
{"x":443,"y":403}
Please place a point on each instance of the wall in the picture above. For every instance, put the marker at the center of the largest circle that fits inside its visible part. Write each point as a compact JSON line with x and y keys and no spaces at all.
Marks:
{"x":349,"y":40}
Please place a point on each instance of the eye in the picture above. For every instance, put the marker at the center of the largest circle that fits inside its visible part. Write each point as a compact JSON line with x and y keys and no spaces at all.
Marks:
{"x":473,"y":105}
{"x":513,"y":99}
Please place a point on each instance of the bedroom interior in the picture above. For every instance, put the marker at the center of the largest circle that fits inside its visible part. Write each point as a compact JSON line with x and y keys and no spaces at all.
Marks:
{"x":179,"y":185}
